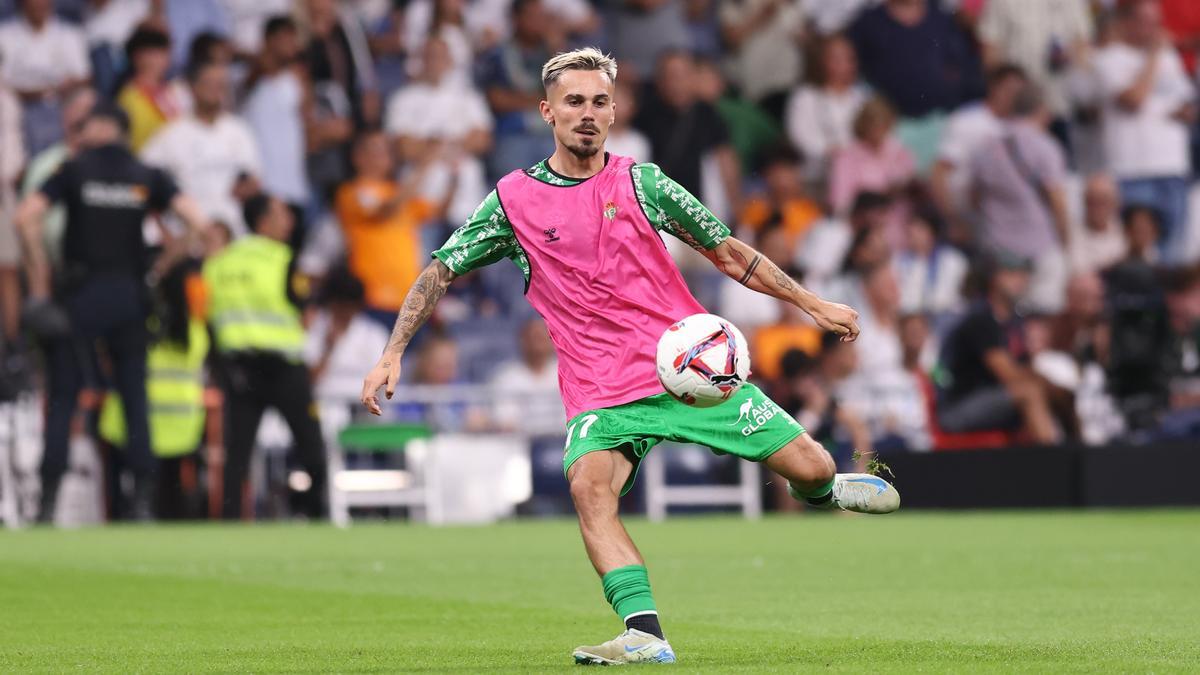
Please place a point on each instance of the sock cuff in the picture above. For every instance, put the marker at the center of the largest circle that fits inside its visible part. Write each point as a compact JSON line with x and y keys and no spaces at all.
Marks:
{"x":816,"y":492}
{"x":627,"y":589}
{"x":641,"y":613}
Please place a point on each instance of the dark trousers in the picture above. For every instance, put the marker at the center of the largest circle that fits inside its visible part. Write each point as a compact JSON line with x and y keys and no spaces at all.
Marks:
{"x":254,"y":382}
{"x":108,"y":313}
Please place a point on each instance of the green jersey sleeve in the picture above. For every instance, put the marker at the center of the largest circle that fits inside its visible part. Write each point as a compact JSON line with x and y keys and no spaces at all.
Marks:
{"x":673,"y":209}
{"x":485,"y":238}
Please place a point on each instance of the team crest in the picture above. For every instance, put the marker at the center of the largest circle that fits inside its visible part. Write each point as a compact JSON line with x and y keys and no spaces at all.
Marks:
{"x":610,"y":210}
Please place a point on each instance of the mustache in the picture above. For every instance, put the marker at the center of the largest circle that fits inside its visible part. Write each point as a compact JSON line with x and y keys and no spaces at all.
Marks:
{"x":587,"y":127}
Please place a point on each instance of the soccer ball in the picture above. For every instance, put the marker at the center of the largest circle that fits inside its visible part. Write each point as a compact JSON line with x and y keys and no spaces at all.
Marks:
{"x":702,"y":360}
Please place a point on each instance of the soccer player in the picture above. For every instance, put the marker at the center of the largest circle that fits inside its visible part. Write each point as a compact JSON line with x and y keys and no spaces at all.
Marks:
{"x":583,"y":228}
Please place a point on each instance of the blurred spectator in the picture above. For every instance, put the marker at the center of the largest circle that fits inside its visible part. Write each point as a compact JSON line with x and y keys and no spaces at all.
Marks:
{"x":563,"y":18}
{"x":436,"y":365}
{"x":1097,"y":240}
{"x":792,"y":331}
{"x":820,"y":115}
{"x":751,"y":131}
{"x":149,"y":97}
{"x":526,"y":390}
{"x":439,"y":121}
{"x":812,"y":395}
{"x":919,"y":354}
{"x":875,"y":162}
{"x":108,"y":194}
{"x":983,"y":374}
{"x":339,"y":62}
{"x":382,"y":220}
{"x":750,"y":309}
{"x":1017,"y":186}
{"x":41,"y":59}
{"x":704,"y":29}
{"x":829,"y":17}
{"x":12,"y":160}
{"x":914,"y":54}
{"x":511,"y":77}
{"x":339,"y":334}
{"x":1149,"y":104}
{"x":188,"y":18}
{"x":1182,"y":419}
{"x":967,"y":130}
{"x":452,"y":21}
{"x":623,"y":139}
{"x":253,"y":302}
{"x":784,"y":200}
{"x":76,"y":106}
{"x":1043,"y":37}
{"x":762,"y":38}
{"x":275,"y":107}
{"x":1143,"y":231}
{"x":882,"y":393}
{"x":643,"y":30}
{"x":824,"y":249}
{"x":247,"y":18}
{"x":108,"y":25}
{"x":211,"y":152}
{"x":930,"y":272}
{"x":683,"y":130}
{"x":868,"y":250}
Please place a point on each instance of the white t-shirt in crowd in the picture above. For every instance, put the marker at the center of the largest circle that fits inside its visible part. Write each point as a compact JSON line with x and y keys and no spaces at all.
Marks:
{"x":32,"y":59}
{"x":248,"y":17}
{"x":113,"y":23}
{"x":206,"y":160}
{"x":342,"y":378}
{"x":447,"y":111}
{"x":968,"y":129}
{"x":628,"y":143}
{"x":819,"y":121}
{"x":528,"y":401}
{"x":273,"y":112}
{"x":1147,"y":142}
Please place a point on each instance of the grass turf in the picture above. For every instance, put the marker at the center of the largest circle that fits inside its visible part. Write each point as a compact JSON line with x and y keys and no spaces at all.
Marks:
{"x":1020,"y":592}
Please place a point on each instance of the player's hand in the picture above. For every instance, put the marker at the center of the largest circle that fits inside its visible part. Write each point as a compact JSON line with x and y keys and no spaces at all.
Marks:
{"x":385,"y":373}
{"x":836,"y":317}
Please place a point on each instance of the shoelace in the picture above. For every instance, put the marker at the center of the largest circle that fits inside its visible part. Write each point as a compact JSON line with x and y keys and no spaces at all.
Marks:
{"x":858,"y":495}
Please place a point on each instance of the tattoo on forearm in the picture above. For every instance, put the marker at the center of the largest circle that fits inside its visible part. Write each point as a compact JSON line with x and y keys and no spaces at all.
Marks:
{"x":750,"y":269}
{"x":419,"y":304}
{"x":782,"y":280}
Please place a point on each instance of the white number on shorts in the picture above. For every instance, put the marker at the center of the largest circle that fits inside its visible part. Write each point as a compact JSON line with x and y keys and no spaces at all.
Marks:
{"x":588,"y":421}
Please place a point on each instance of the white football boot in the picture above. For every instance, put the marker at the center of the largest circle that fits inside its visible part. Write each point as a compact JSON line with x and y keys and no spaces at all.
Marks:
{"x":632,"y":646}
{"x":857,"y":492}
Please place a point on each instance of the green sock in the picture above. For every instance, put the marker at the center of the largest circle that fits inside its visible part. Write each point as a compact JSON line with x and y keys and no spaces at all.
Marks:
{"x":627,"y":589}
{"x":816,"y":495}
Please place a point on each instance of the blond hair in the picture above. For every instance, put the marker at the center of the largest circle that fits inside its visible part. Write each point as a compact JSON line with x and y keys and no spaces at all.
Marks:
{"x":587,"y":58}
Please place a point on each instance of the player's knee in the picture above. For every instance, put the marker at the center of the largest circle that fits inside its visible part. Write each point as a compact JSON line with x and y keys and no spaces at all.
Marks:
{"x":591,"y":492}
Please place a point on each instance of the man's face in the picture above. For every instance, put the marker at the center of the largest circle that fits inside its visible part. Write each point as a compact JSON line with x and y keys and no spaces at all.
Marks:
{"x":37,"y":11}
{"x":373,"y":156}
{"x":436,"y":60}
{"x":154,"y":62}
{"x":279,"y":221}
{"x":74,"y":115}
{"x":1002,"y":93}
{"x":284,"y":45}
{"x":579,"y":107}
{"x":530,"y":23}
{"x":1144,"y":23}
{"x":1011,"y":284}
{"x":536,"y":345}
{"x":210,"y":88}
{"x":1100,"y":203}
{"x":677,"y":81}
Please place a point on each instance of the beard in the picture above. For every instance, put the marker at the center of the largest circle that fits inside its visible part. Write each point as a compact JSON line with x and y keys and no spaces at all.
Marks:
{"x":583,"y":151}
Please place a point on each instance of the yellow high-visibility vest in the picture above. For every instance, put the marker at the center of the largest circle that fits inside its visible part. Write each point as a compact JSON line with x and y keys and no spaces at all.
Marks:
{"x":175,"y":394}
{"x":247,"y":299}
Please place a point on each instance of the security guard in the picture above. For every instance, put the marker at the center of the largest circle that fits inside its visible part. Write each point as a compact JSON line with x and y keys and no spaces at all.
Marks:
{"x":174,"y":385}
{"x":253,"y":309}
{"x":101,"y":286}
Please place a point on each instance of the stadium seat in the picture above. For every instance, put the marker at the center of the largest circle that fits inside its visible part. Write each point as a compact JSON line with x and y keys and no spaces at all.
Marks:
{"x":374,"y":488}
{"x":942,"y":440}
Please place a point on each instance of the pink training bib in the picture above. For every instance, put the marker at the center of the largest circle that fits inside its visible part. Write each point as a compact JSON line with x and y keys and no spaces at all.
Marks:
{"x":601,"y":278}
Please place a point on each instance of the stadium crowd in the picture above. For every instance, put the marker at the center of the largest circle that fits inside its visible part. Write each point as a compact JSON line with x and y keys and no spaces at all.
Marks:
{"x":1004,"y":189}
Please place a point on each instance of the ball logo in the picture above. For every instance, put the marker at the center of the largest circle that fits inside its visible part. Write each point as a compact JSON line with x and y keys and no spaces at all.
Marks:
{"x":727,"y":381}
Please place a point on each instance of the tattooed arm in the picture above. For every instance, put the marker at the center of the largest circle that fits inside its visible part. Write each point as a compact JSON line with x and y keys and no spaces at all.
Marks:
{"x":755,"y":271}
{"x":418,"y":306}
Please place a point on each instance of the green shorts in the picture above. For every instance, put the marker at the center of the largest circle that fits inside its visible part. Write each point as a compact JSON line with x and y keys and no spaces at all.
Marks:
{"x":749,"y":425}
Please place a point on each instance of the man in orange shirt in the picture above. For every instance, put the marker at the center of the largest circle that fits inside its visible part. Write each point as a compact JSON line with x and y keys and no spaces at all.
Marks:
{"x":784,"y":199}
{"x":382,"y":219}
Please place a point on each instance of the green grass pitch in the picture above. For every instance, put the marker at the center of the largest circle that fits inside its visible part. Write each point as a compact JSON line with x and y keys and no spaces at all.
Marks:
{"x":1043,"y":592}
